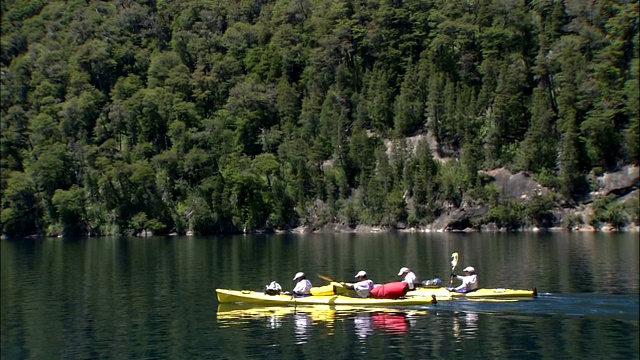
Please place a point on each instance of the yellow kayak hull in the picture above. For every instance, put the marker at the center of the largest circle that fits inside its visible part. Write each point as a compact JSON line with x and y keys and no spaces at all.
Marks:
{"x":496,"y":293}
{"x":247,"y":296}
{"x":442,"y":293}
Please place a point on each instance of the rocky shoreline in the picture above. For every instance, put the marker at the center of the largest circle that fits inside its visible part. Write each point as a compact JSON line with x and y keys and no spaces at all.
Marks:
{"x":623,"y":184}
{"x":367,"y":229}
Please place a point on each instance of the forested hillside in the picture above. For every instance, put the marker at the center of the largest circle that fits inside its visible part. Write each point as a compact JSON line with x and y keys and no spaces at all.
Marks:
{"x":243,"y":115}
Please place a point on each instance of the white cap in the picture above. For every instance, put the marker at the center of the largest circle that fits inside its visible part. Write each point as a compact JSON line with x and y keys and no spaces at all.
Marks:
{"x":469,"y":269}
{"x":403,"y":270}
{"x":361,"y":273}
{"x":298,"y":275}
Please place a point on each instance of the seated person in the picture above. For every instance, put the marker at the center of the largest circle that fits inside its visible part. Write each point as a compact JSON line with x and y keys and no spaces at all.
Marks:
{"x":303,"y":285}
{"x":469,"y":281}
{"x":363,"y":287}
{"x":409,"y":277}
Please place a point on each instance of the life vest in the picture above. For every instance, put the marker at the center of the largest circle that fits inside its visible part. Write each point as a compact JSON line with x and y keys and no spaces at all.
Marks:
{"x":392,"y":290}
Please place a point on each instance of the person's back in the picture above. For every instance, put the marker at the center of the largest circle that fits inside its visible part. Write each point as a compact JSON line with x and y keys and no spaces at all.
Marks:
{"x":364,"y":286}
{"x":409,"y":277}
{"x":303,"y":286}
{"x":469,"y":283}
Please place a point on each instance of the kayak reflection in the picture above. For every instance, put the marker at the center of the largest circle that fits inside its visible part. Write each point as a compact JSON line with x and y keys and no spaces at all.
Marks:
{"x":390,"y":321}
{"x":302,"y":323}
{"x":465,"y":325}
{"x":274,"y":322}
{"x":238,"y":313}
{"x":364,"y":325}
{"x":395,"y":323}
{"x":386,"y":321}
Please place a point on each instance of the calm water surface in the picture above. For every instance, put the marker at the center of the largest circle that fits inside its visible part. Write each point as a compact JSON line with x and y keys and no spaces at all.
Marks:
{"x":154,"y":298}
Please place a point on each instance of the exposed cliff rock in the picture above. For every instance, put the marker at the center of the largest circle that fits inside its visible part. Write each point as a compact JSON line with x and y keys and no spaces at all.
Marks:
{"x":458,"y":219}
{"x":619,"y":183}
{"x":520,"y":186}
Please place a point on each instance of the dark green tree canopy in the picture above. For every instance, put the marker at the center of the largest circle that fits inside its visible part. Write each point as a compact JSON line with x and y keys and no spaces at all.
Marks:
{"x":231,"y":115}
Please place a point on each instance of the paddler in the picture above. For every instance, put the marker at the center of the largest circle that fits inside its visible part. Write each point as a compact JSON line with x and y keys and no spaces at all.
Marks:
{"x":408,"y":276}
{"x":364,"y":285}
{"x":303,"y":285}
{"x":469,"y":281}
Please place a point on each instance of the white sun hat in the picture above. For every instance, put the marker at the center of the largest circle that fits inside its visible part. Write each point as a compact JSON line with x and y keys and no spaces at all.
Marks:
{"x":298,"y":275}
{"x":469,"y":269}
{"x":403,"y":270}
{"x":361,"y":273}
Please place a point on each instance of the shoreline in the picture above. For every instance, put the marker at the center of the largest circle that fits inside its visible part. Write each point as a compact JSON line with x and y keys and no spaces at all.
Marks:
{"x":368,"y":229}
{"x":337,"y":228}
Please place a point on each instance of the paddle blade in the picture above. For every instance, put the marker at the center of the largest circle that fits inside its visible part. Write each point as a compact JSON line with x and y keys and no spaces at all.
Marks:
{"x":454,"y":262}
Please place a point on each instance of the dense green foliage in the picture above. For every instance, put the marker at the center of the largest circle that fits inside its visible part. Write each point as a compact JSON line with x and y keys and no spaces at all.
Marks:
{"x":229,"y":115}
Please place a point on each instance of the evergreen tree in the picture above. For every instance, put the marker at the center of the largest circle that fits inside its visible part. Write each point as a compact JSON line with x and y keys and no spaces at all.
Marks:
{"x":221,"y":116}
{"x":409,"y":105}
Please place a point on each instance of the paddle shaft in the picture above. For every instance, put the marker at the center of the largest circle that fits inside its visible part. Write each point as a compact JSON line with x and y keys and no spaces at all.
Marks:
{"x":326,"y":278}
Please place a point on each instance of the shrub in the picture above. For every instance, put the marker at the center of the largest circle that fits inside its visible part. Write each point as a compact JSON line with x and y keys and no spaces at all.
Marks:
{"x":607,"y":210}
{"x":538,"y":209}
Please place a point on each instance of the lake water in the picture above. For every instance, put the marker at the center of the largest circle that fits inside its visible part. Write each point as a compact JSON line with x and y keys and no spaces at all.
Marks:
{"x":154,"y":298}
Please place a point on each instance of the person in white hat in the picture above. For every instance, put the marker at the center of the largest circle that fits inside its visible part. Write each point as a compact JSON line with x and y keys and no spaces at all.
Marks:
{"x":364,"y":285}
{"x":303,"y":285}
{"x":469,"y":280}
{"x":409,"y":277}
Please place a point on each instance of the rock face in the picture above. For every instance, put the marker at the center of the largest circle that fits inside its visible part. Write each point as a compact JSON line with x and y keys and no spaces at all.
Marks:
{"x":620,"y":182}
{"x":521,"y":186}
{"x":439,"y":153}
{"x":458,"y":219}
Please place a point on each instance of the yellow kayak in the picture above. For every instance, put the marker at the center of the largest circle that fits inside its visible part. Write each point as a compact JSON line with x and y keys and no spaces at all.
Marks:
{"x":478,"y":294}
{"x":248,"y":296}
{"x":442,"y":292}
